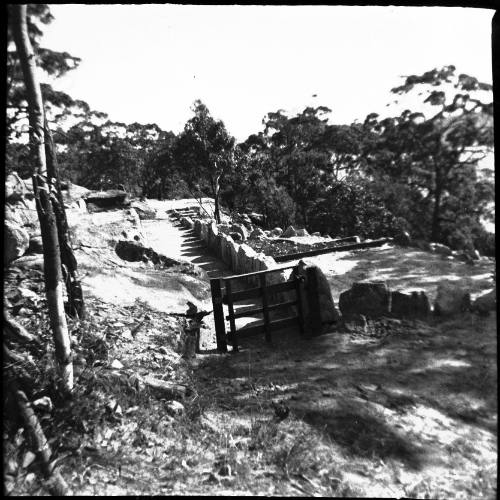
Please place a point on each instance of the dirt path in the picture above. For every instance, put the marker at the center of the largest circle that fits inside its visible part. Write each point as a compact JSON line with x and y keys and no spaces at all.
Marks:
{"x":407,"y":409}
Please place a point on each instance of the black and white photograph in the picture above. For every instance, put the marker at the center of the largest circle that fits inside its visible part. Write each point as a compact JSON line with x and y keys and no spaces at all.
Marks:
{"x":249,"y":250}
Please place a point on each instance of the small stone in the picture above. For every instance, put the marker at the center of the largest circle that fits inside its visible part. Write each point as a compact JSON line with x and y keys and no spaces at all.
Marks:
{"x":174,"y":408}
{"x":117,"y":365}
{"x":44,"y":404}
{"x":28,"y":459}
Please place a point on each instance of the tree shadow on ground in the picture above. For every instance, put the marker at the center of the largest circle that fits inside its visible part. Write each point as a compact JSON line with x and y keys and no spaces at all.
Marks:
{"x":403,"y":269}
{"x":342,"y":383}
{"x":365,"y":434}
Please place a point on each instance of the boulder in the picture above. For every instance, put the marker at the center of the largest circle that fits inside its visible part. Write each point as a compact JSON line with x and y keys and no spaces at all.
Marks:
{"x":35,"y":244}
{"x":474,"y":255}
{"x":257,"y":233}
{"x":317,"y":233}
{"x":440,"y":249}
{"x":23,"y":213}
{"x":131,"y":251}
{"x":302,"y":232}
{"x":403,"y":239}
{"x":241,"y":229}
{"x":416,"y":305}
{"x":451,"y":299}
{"x":15,"y":188}
{"x":290,"y":232}
{"x":72,"y":193}
{"x":257,"y":219}
{"x":164,"y":389}
{"x":371,"y":299}
{"x":16,"y":241}
{"x":113,"y":198}
{"x":276,"y":232}
{"x":485,"y":303}
{"x":29,"y":262}
{"x":144,"y":210}
{"x":328,"y":311}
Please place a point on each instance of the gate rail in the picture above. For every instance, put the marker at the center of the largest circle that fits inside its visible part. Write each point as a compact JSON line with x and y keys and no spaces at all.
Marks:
{"x":265,"y":291}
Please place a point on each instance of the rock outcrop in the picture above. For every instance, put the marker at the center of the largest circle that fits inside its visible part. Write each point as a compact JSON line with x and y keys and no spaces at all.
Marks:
{"x":371,"y":299}
{"x":16,"y":241}
{"x":328,"y":311}
{"x":290,"y":232}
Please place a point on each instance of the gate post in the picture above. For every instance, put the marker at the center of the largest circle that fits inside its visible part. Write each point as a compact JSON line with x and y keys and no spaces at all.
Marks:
{"x":314,"y":323}
{"x":220,"y":329}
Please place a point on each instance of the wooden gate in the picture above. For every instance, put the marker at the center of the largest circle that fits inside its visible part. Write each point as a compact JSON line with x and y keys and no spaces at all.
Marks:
{"x":223,"y":292}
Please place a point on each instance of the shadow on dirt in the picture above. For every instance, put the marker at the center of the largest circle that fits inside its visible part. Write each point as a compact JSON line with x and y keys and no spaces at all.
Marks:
{"x":365,"y":435}
{"x":403,"y":269}
{"x":341,"y":383}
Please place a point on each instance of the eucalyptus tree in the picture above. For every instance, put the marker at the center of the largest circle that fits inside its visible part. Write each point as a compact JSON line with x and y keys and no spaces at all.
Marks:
{"x":205,"y":153}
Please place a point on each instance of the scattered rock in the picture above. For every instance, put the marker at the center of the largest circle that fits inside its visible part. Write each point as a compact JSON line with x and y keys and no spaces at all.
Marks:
{"x":16,"y":241}
{"x":241,"y":230}
{"x":485,"y":303}
{"x":403,"y":239}
{"x":43,"y":404}
{"x":475,"y":255}
{"x":302,"y":232}
{"x":257,"y":233}
{"x":410,"y":306}
{"x":15,"y":188}
{"x":257,"y":219}
{"x":174,"y":408}
{"x":371,"y":299}
{"x":164,"y":389}
{"x":25,"y":293}
{"x":290,"y":232}
{"x":440,"y":249}
{"x":144,"y":211}
{"x":116,"y":365}
{"x":356,"y":323}
{"x":35,"y":245}
{"x":451,"y":299}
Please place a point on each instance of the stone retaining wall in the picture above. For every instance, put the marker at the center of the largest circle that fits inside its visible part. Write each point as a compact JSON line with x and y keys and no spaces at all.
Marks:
{"x":241,"y":258}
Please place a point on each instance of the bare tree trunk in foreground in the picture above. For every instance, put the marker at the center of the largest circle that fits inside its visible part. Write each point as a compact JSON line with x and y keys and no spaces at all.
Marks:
{"x":43,"y":190}
{"x":76,"y":306}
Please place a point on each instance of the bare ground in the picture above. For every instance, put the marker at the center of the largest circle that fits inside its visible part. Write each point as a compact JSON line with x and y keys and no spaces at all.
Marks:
{"x":407,"y":409}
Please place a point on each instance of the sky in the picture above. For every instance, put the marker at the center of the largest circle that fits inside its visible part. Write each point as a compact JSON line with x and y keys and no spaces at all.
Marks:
{"x":149,"y":63}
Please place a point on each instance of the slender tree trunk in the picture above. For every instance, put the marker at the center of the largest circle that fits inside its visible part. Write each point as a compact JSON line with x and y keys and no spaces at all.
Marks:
{"x":216,"y":188}
{"x":43,"y":190}
{"x":76,"y":306}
